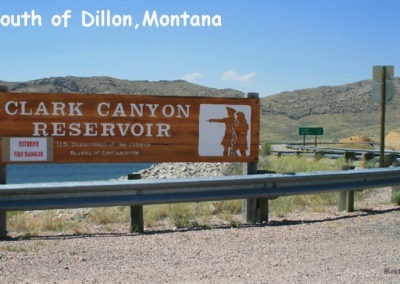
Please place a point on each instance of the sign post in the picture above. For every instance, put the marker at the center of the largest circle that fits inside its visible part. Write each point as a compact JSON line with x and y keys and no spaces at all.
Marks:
{"x":382,"y":90}
{"x":254,"y":210}
{"x":316,"y":131}
{"x":3,"y":180}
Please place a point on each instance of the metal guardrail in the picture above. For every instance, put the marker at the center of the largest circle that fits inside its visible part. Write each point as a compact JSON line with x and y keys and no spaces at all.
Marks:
{"x":335,"y":153}
{"x":143,"y":192}
{"x":41,"y":196}
{"x":340,"y":151}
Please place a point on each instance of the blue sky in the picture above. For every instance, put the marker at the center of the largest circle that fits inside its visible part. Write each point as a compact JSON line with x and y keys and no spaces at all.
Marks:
{"x":264,"y":46}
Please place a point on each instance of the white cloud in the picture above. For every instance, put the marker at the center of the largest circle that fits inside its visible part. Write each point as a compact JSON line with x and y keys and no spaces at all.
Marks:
{"x":192,"y":77}
{"x":233,"y":76}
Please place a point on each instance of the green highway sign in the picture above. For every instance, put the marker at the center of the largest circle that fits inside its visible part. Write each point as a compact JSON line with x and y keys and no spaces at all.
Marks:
{"x":311,"y":131}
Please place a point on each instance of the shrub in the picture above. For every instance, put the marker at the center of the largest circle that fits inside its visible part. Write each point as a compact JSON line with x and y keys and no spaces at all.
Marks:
{"x":266,"y":149}
{"x":50,"y":222}
{"x":180,"y":214}
{"x":155,"y":213}
{"x":396,"y":195}
{"x":109,"y":215}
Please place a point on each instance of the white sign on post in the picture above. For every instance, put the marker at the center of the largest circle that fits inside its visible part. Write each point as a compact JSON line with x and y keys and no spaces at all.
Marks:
{"x":28,"y":149}
{"x":378,"y":73}
{"x":377,"y":88}
{"x":377,"y":82}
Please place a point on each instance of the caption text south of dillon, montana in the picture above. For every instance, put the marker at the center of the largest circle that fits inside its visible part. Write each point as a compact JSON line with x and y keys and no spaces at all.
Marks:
{"x":107,"y":18}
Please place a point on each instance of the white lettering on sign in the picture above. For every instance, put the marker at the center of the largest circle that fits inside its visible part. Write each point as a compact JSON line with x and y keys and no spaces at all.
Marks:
{"x":28,"y":149}
{"x":62,"y":129}
{"x":43,"y":109}
{"x":104,"y":110}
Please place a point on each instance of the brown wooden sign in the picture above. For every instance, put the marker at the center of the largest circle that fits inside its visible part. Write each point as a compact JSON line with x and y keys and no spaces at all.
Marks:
{"x":70,"y":128}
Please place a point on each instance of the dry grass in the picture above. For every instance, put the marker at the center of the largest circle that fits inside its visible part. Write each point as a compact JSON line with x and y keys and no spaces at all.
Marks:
{"x":32,"y":224}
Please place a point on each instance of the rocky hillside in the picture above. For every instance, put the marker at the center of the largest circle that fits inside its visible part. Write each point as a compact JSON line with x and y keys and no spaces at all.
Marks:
{"x":350,"y":98}
{"x":107,"y":85}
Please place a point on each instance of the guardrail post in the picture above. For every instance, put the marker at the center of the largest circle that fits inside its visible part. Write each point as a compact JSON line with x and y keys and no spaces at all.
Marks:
{"x":350,"y":201}
{"x":250,"y":206}
{"x":389,"y":159}
{"x":3,"y":180}
{"x":262,"y":207}
{"x":346,"y":198}
{"x":349,"y":156}
{"x":136,"y":212}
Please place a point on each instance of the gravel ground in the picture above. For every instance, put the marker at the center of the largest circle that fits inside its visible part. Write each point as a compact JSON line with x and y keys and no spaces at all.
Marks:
{"x":302,"y":247}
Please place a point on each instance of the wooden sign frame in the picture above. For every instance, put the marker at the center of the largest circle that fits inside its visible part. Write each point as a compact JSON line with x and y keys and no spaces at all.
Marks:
{"x":76,"y":128}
